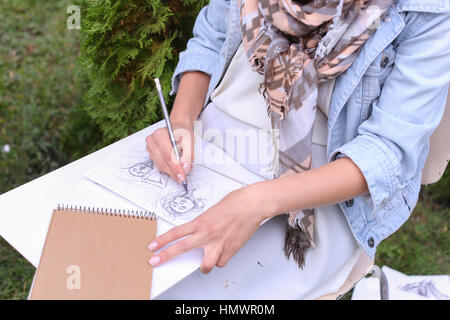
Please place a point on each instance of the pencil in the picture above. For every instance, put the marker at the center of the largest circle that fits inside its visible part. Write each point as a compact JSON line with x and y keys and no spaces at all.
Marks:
{"x":168,"y":125}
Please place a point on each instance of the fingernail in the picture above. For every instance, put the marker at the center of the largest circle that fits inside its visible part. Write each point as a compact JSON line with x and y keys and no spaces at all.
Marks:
{"x":186,"y":167}
{"x":180,"y":178}
{"x":154,"y":260}
{"x":152,"y":246}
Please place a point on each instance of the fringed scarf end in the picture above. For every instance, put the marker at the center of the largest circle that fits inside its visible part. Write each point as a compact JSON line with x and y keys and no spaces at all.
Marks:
{"x":296,"y":242}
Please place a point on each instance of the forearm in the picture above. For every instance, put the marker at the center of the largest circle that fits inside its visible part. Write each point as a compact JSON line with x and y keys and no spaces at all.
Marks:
{"x":190,"y":97}
{"x":337,"y":181}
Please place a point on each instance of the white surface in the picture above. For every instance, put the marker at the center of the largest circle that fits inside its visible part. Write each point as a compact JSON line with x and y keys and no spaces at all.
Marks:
{"x":25,"y":212}
{"x":435,"y":287}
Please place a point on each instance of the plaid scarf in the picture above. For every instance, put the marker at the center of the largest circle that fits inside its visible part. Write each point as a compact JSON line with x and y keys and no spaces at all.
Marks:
{"x":297,"y":46}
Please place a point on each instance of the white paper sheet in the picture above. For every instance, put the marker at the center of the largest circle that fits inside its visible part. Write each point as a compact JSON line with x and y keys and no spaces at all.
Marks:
{"x":132,"y":175}
{"x":404,"y":287}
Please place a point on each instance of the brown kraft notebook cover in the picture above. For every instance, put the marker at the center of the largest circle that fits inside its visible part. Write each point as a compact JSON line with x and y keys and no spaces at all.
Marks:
{"x":96,"y":255}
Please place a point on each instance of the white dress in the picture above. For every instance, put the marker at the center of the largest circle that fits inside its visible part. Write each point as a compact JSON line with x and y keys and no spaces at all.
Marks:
{"x":260,"y":269}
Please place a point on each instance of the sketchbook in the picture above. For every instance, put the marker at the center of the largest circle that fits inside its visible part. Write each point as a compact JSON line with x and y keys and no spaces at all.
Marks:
{"x":95,"y":254}
{"x":133,"y":175}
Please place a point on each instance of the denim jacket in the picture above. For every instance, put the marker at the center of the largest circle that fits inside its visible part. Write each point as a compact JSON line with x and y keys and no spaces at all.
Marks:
{"x":383,"y":110}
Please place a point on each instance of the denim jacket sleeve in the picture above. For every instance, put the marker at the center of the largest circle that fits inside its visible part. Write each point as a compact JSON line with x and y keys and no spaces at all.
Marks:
{"x":203,"y":49}
{"x":392,"y":144}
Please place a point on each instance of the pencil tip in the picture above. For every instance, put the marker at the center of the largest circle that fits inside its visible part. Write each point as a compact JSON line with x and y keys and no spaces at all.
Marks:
{"x":185,"y":186}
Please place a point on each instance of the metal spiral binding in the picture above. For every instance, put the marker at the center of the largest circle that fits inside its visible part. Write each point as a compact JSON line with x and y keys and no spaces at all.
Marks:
{"x":131,"y":214}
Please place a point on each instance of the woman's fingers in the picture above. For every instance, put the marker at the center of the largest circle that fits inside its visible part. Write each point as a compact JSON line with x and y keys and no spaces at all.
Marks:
{"x":174,"y":165}
{"x":154,"y":155}
{"x":161,"y":152}
{"x":224,"y":258}
{"x":161,"y":164}
{"x":174,"y":250}
{"x":185,"y":140}
{"x":212,"y":255}
{"x":213,"y":250}
{"x":172,"y":235}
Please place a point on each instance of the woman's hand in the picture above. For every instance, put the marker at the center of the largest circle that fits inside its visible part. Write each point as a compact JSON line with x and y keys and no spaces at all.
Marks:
{"x":161,"y":151}
{"x":224,"y":228}
{"x":186,"y":108}
{"x":221,"y":230}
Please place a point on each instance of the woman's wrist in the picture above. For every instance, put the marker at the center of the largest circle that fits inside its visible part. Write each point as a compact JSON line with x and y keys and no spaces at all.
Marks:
{"x":190,"y":98}
{"x":260,"y":196}
{"x":331,"y":183}
{"x":183,"y":117}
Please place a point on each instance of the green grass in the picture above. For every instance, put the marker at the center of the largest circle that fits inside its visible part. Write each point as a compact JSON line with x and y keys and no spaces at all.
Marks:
{"x":16,"y":273}
{"x":38,"y":91}
{"x":38,"y":97}
{"x":37,"y":87}
{"x":41,"y":120}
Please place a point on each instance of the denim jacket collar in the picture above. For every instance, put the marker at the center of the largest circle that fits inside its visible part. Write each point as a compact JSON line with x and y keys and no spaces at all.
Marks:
{"x":436,"y":6}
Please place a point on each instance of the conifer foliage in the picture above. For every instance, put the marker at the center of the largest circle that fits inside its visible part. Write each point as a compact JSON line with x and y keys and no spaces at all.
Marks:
{"x":125,"y":44}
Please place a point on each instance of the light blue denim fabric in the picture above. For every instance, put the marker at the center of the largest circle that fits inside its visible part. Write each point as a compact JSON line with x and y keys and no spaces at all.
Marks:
{"x":383,"y":110}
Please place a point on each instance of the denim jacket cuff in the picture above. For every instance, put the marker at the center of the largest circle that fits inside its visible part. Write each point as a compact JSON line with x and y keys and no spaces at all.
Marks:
{"x":375,"y":163}
{"x":191,"y":61}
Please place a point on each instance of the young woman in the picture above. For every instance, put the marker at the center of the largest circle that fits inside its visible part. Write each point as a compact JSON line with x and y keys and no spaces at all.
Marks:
{"x":352,"y":89}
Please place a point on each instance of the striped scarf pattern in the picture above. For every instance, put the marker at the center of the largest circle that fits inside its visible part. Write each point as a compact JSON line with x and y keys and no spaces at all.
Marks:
{"x":296,"y":46}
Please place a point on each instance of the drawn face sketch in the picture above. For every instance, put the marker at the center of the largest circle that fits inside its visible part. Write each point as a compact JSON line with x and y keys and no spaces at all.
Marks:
{"x":140,"y":170}
{"x":148,"y":173}
{"x":182,"y":203}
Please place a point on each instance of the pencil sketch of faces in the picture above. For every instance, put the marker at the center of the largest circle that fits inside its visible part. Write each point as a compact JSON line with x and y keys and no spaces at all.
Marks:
{"x":181,"y":203}
{"x":147,"y":172}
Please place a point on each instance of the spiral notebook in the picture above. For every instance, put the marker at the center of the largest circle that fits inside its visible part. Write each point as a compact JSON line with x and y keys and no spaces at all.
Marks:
{"x":96,"y":254}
